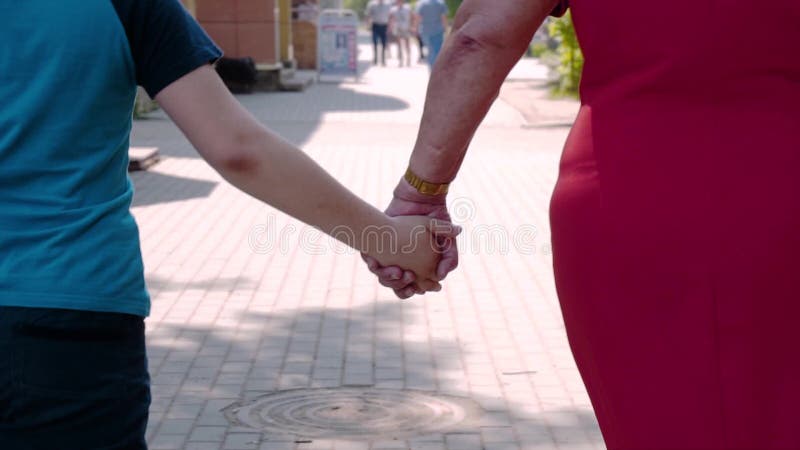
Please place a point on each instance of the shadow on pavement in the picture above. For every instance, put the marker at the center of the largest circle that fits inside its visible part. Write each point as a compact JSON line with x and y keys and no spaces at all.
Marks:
{"x":155,"y":188}
{"x":295,"y":116}
{"x":199,"y":370}
{"x":535,"y":102}
{"x":156,"y":284}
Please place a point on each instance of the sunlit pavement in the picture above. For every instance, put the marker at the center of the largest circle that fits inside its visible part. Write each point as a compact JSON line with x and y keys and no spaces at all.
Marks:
{"x":247,"y":302}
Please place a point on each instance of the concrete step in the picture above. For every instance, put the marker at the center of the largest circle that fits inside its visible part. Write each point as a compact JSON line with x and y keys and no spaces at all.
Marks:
{"x":297,"y":80}
{"x":142,"y":158}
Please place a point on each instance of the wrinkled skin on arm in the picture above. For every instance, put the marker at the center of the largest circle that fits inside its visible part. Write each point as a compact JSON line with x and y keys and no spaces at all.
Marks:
{"x":487,"y":39}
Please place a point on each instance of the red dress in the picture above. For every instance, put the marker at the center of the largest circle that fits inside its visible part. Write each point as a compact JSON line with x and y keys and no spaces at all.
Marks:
{"x":676,"y":222}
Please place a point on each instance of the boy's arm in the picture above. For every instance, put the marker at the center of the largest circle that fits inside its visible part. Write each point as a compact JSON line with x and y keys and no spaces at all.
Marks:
{"x":260,"y":163}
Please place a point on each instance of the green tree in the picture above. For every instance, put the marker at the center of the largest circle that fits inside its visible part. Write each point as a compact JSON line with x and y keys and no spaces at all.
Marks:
{"x":453,"y":5}
{"x":569,"y":54}
{"x":356,"y":5}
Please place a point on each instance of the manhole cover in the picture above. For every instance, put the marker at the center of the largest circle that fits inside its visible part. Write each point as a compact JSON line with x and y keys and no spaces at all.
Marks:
{"x":361,"y":414}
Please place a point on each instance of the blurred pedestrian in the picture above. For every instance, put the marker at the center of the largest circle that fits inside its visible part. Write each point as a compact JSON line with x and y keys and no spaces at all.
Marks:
{"x":421,"y":45}
{"x":377,"y":15}
{"x":431,"y":23}
{"x":400,"y":18}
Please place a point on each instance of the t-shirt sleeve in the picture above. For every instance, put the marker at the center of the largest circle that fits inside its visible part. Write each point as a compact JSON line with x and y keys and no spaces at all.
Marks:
{"x":165,"y":40}
{"x":561,"y":8}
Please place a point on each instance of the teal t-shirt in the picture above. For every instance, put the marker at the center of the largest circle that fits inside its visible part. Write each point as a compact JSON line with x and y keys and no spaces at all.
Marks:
{"x":68,"y":76}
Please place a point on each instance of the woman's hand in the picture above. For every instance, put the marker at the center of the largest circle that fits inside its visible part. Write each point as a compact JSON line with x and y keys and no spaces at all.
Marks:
{"x":412,"y":246}
{"x":407,"y":202}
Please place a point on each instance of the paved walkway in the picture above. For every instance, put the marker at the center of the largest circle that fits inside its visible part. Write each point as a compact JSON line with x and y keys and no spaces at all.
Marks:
{"x":247,"y":302}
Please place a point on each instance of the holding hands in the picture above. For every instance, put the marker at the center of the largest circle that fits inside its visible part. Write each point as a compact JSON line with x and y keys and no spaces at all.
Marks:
{"x":402,"y":272}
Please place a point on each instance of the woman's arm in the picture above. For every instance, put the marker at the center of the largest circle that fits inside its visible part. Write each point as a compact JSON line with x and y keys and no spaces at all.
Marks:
{"x":260,"y":163}
{"x":487,"y":39}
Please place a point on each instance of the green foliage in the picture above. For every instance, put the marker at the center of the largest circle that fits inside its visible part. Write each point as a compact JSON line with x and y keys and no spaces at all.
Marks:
{"x":356,"y":5}
{"x":453,"y":5}
{"x":569,"y":53}
{"x":143,"y":105}
{"x":538,"y":49}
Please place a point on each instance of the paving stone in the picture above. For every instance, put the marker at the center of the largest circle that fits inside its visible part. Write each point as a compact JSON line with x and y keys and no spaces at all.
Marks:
{"x":390,"y":445}
{"x":177,"y":426}
{"x":203,"y":446}
{"x":464,"y":442}
{"x":242,"y":441}
{"x":167,"y":441}
{"x":290,"y":445}
{"x":208,"y":433}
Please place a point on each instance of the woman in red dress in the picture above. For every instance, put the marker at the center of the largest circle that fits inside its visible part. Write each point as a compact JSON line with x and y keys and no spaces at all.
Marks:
{"x":676,"y":217}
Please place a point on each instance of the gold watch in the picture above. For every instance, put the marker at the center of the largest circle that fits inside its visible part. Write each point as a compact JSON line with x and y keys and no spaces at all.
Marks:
{"x":425,"y":187}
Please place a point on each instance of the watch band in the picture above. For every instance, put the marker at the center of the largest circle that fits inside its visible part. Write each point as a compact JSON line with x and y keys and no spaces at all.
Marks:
{"x":425,"y":187}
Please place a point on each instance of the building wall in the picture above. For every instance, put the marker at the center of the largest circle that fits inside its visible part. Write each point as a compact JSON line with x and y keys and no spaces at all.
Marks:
{"x":241,"y":27}
{"x":190,"y":5}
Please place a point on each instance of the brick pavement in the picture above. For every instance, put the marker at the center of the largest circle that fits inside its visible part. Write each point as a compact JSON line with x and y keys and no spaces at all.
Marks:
{"x":247,"y":301}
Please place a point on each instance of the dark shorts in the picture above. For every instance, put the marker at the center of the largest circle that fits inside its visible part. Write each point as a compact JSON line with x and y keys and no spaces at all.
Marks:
{"x":379,"y":34}
{"x":72,"y":380}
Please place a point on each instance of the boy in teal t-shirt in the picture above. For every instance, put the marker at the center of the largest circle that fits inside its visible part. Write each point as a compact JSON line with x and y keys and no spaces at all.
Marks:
{"x":73,"y":367}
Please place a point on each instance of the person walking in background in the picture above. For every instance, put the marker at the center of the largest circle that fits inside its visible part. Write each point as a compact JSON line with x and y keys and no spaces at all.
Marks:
{"x":73,"y":365}
{"x":430,"y":21}
{"x":400,"y":26}
{"x":377,"y":14}
{"x":676,"y":212}
{"x":420,"y":43}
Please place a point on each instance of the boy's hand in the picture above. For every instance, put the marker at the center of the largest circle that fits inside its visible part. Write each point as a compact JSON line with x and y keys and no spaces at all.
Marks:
{"x":414,"y":247}
{"x":406,"y":203}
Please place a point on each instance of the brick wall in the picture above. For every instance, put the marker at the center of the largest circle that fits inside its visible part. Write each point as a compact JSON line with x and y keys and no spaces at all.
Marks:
{"x":241,"y":27}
